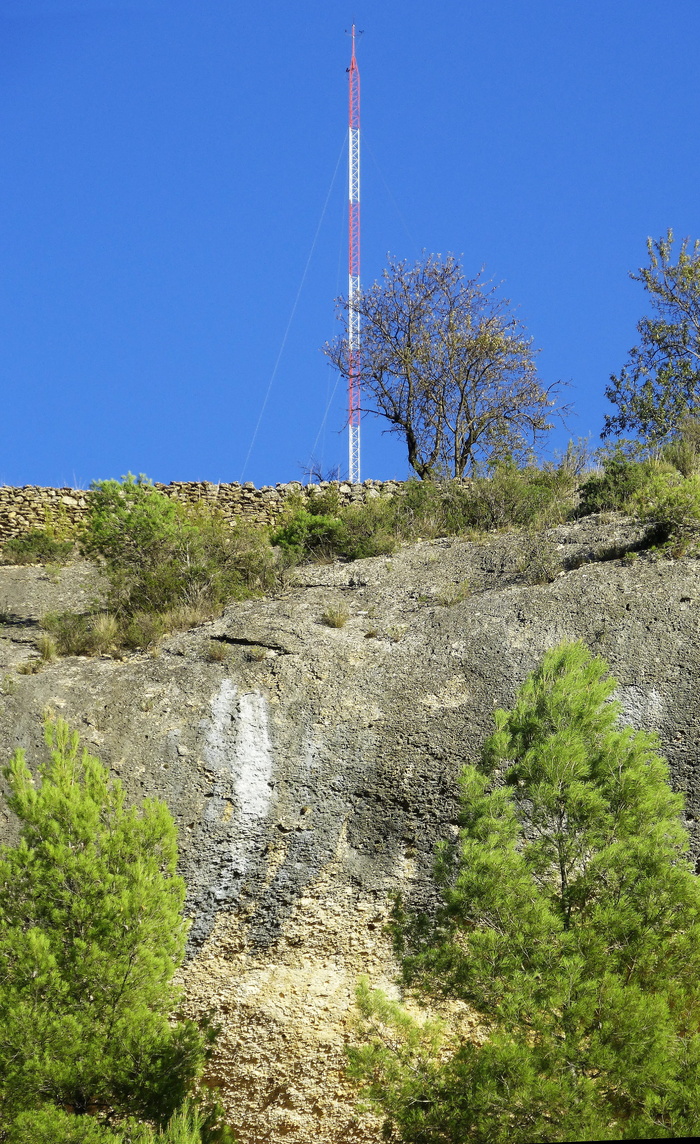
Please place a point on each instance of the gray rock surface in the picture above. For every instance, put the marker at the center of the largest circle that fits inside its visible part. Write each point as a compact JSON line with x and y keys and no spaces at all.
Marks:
{"x":313,"y":771}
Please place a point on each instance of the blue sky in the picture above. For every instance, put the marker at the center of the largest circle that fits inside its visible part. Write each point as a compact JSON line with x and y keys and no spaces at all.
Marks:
{"x":166,"y":258}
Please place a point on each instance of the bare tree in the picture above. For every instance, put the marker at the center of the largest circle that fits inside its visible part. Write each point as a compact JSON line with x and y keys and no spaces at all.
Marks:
{"x":447,"y":364}
{"x":315,"y":473}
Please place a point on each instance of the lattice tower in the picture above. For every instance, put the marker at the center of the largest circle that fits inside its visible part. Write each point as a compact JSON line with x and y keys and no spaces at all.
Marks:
{"x":353,"y":268}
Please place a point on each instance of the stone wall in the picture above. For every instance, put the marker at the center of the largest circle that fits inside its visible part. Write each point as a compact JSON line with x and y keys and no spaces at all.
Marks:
{"x":23,"y":509}
{"x":265,"y":505}
{"x":30,"y":507}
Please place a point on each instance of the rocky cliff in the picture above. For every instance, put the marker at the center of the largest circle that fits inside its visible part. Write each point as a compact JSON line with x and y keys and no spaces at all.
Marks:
{"x":312,"y":769}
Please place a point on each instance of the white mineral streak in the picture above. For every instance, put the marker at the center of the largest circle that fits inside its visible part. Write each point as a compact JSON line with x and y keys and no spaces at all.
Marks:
{"x":238,"y":749}
{"x":253,"y":760}
{"x":221,"y":733}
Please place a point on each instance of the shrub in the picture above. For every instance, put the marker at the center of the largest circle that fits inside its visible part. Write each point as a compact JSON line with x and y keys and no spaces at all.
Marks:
{"x":101,"y":633}
{"x":427,"y":509}
{"x":454,"y":594}
{"x":8,"y":685}
{"x":509,"y":497}
{"x":683,"y":451}
{"x":306,"y":535}
{"x":520,"y":497}
{"x":540,"y":561}
{"x":246,"y":552}
{"x":321,"y":502}
{"x":368,"y":529}
{"x":191,"y":1124}
{"x":36,"y":547}
{"x":90,"y":634}
{"x":158,"y":554}
{"x":217,"y":652}
{"x":185,"y":616}
{"x":142,"y":630}
{"x":71,"y":632}
{"x":105,"y":633}
{"x":612,"y":490}
{"x":419,"y":509}
{"x":53,"y":573}
{"x":681,"y":455}
{"x":51,"y":1125}
{"x":352,"y":533}
{"x":671,"y":502}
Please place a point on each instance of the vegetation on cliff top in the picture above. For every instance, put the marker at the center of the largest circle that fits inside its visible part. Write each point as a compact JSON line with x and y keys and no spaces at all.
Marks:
{"x":170,"y":566}
{"x":452,"y":371}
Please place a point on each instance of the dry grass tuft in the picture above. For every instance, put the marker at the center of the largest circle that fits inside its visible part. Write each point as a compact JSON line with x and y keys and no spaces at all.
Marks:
{"x":336,"y":617}
{"x":217,"y":651}
{"x":47,"y":648}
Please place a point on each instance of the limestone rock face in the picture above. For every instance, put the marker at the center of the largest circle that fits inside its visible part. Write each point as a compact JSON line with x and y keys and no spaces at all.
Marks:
{"x":314,"y":770}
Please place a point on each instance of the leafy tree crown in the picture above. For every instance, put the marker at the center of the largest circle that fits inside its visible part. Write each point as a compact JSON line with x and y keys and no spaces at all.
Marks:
{"x":659,"y":386}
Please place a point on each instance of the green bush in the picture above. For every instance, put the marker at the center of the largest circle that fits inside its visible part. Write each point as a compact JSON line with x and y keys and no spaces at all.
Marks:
{"x":184,"y":1127}
{"x":309,"y":536}
{"x":509,"y":497}
{"x":142,"y":630}
{"x":36,"y":547}
{"x":336,"y":617}
{"x":672,"y":502}
{"x":251,"y":566}
{"x":99,"y":633}
{"x":683,"y":451}
{"x":157,"y":554}
{"x":191,"y":1124}
{"x":72,"y":632}
{"x":681,"y":455}
{"x":321,"y":502}
{"x":540,"y":561}
{"x":419,"y":508}
{"x":356,"y":532}
{"x":369,"y":529}
{"x":620,"y":481}
{"x":167,"y":567}
{"x":521,"y":497}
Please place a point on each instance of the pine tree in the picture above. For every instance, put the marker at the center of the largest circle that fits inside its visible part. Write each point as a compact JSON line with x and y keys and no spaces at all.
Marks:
{"x":91,"y":933}
{"x":570,"y":923}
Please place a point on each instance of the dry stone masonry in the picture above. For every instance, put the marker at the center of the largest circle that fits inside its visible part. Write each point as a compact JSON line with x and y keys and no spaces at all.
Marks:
{"x":24,"y":509}
{"x":30,"y":507}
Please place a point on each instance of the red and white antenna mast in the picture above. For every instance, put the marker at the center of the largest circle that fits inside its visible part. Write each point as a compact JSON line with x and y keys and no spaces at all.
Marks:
{"x":353,"y":269}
